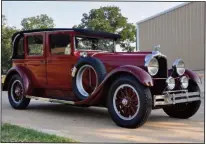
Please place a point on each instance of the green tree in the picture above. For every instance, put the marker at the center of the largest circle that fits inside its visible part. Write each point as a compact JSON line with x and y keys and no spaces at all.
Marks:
{"x":110,"y":19}
{"x":6,"y":45}
{"x":39,"y":21}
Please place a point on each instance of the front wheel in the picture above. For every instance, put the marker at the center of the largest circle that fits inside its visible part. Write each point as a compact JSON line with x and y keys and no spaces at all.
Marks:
{"x":184,"y":110}
{"x":16,"y":93}
{"x":129,"y":102}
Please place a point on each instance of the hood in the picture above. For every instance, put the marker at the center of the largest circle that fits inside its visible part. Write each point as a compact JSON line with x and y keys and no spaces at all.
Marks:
{"x":115,"y":59}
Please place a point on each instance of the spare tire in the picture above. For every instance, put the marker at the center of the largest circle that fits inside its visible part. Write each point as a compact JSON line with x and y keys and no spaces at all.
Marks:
{"x":87,"y":74}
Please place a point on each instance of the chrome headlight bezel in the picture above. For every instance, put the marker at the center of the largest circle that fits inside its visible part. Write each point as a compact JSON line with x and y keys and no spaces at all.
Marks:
{"x":179,"y":66}
{"x":184,"y":82}
{"x":152,"y":65}
{"x":170,"y":83}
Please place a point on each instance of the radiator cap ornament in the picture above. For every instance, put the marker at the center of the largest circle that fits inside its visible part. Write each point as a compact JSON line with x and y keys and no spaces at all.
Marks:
{"x":156,"y":48}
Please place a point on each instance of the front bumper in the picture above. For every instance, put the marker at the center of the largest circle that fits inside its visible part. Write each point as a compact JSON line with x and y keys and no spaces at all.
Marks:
{"x":173,"y":97}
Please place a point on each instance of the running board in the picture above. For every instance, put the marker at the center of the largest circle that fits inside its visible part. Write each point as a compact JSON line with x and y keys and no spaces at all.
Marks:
{"x":50,"y":100}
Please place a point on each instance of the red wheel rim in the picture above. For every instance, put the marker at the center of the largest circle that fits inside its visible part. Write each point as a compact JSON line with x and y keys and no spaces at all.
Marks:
{"x":126,"y":102}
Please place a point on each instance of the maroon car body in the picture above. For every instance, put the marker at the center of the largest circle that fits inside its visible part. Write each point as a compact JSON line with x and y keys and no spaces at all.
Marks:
{"x":48,"y":72}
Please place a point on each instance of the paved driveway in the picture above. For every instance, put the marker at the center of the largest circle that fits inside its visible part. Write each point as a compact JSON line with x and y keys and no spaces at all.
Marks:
{"x":95,"y":125}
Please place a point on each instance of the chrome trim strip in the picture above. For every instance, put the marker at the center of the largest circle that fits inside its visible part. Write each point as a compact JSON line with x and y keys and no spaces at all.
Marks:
{"x":50,"y":100}
{"x":169,"y":98}
{"x":98,"y":53}
{"x":171,"y":91}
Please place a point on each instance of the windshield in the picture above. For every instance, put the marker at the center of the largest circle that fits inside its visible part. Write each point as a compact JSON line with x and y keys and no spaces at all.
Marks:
{"x":88,"y":43}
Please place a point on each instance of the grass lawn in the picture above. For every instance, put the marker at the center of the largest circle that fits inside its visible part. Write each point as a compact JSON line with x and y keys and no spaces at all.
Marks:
{"x":13,"y":133}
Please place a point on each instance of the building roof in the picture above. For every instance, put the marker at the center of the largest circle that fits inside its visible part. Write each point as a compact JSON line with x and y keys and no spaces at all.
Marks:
{"x":163,"y":12}
{"x":83,"y":31}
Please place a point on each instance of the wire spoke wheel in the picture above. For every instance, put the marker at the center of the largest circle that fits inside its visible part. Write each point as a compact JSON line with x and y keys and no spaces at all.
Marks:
{"x":126,"y":102}
{"x":86,"y":80}
{"x":17,"y":91}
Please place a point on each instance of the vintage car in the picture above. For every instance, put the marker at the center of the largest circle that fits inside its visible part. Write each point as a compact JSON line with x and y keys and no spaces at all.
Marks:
{"x":82,"y":67}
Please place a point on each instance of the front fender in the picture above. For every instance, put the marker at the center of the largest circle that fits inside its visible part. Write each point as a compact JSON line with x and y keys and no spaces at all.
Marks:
{"x":193,"y":75}
{"x":24,"y":74}
{"x":137,"y":72}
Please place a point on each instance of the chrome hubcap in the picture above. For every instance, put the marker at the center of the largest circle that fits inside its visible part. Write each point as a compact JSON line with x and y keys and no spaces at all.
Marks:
{"x":124,"y":102}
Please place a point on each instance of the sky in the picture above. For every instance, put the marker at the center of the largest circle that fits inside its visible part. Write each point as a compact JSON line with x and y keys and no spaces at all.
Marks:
{"x":69,"y":13}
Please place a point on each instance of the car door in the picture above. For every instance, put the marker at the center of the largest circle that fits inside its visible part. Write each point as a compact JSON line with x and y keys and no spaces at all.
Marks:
{"x":60,"y":60}
{"x":35,"y":57}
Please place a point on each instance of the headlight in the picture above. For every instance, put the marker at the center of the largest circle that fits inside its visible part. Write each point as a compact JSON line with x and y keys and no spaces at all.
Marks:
{"x":184,"y":82}
{"x":179,"y":66}
{"x":152,"y":66}
{"x":170,"y":83}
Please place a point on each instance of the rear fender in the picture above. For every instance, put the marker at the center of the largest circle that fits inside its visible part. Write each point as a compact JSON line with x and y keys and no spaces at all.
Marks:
{"x":24,"y":74}
{"x":137,"y":72}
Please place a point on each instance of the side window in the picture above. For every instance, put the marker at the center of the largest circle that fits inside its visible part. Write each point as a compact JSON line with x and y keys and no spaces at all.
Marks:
{"x":35,"y":45}
{"x":60,"y":44}
{"x":20,"y":47}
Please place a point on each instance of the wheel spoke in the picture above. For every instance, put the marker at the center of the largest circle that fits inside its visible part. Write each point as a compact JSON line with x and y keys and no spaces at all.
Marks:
{"x":132,"y":109}
{"x":135,"y":102}
{"x":126,"y":111}
{"x":126,"y":91}
{"x":122,"y":93}
{"x":129,"y":111}
{"x":130,"y":91}
{"x":118,"y":102}
{"x":133,"y":95}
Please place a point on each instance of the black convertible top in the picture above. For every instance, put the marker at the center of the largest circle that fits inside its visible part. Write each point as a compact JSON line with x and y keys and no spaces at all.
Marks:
{"x":83,"y":31}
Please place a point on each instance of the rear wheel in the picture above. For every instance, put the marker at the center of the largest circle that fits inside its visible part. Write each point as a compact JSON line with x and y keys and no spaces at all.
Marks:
{"x":184,"y":110}
{"x":129,"y":102}
{"x":16,"y":93}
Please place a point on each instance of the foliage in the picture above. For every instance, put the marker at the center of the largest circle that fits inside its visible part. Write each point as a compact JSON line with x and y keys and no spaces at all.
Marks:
{"x":110,"y":19}
{"x":7,"y":33}
{"x":39,"y":21}
{"x":13,"y":133}
{"x":94,"y":44}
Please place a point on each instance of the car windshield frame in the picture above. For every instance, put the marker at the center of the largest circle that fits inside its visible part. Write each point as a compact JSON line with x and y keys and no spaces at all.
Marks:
{"x":98,"y":47}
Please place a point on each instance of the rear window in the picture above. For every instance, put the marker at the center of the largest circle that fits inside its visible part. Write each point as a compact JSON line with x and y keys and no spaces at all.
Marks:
{"x":35,"y":45}
{"x":20,"y":48}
